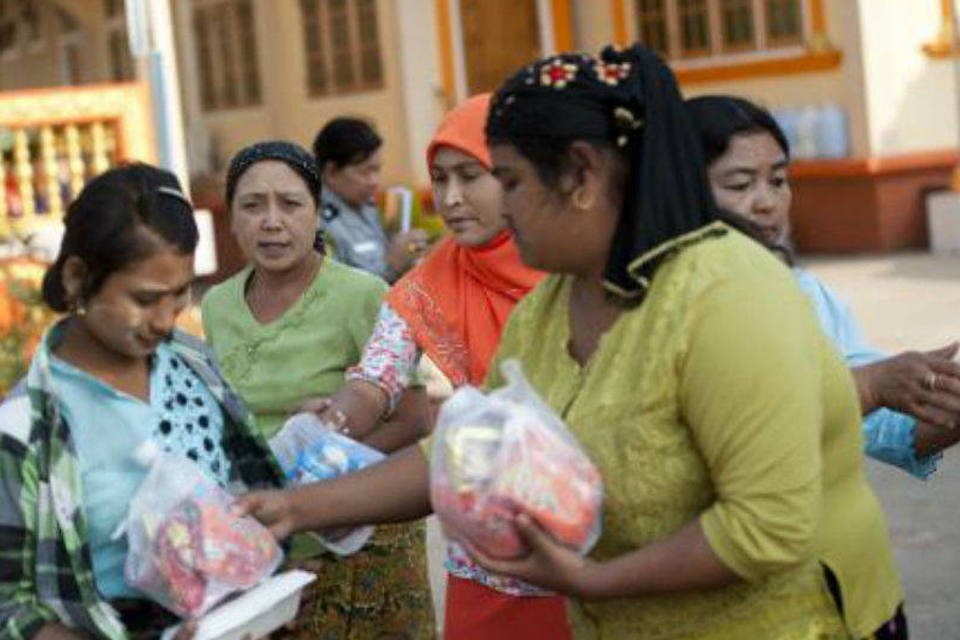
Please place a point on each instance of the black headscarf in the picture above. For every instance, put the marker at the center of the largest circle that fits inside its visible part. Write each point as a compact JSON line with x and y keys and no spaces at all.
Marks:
{"x":289,"y":153}
{"x":628,"y":98}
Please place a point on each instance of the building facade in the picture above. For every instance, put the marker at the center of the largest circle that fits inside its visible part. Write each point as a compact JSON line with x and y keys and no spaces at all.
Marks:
{"x":870,"y":86}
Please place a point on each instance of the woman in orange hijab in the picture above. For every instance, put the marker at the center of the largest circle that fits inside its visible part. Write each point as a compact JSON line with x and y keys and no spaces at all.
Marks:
{"x":451,"y":309}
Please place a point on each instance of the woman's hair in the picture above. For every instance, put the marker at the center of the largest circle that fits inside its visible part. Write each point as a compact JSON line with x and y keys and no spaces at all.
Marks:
{"x":718,"y":118}
{"x":626,"y":100}
{"x":344,"y":141}
{"x":293,"y":155}
{"x":122,"y":216}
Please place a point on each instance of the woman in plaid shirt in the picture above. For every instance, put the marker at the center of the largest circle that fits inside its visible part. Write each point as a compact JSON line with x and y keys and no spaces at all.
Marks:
{"x":111,"y":374}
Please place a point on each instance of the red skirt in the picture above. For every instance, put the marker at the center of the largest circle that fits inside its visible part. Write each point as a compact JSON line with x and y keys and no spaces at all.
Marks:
{"x":476,"y":612}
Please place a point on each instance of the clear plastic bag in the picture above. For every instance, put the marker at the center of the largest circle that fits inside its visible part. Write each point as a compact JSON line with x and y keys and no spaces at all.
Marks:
{"x":187,"y":551}
{"x":504,"y":453}
{"x":309,"y":450}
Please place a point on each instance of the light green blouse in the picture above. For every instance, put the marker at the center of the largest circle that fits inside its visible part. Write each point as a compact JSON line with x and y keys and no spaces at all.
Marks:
{"x":718,"y":398}
{"x":303,"y":353}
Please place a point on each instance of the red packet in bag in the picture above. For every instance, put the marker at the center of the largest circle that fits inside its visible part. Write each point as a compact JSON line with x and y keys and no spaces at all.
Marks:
{"x":501,"y":454}
{"x":234,"y":550}
{"x":178,"y":548}
{"x":540,"y":474}
{"x":187,"y":550}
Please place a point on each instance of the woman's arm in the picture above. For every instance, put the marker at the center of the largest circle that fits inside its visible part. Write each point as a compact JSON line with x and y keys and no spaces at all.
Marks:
{"x":681,"y":562}
{"x":395,"y":490}
{"x":751,"y":391}
{"x":900,"y":383}
{"x":405,"y":426}
{"x":58,"y":631}
{"x":375,"y":387}
{"x":22,"y":614}
{"x":925,"y":385}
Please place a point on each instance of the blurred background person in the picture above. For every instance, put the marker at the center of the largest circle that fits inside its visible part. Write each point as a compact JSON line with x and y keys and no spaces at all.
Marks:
{"x":348,"y":153}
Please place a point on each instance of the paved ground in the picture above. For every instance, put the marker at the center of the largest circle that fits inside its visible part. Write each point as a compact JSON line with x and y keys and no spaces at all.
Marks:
{"x":902,"y":301}
{"x":909,"y":301}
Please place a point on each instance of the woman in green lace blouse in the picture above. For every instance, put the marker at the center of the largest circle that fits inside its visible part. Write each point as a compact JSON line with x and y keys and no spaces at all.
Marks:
{"x":688,"y":364}
{"x":285,"y":329}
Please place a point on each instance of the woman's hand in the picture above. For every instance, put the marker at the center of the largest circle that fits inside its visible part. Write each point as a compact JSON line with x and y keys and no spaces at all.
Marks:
{"x":683,"y":561}
{"x":925,"y":385}
{"x":274,"y":509}
{"x":329,"y":412}
{"x":929,"y":439}
{"x":405,"y":249}
{"x":355,"y":410}
{"x":548,"y":564}
{"x":187,"y":630}
{"x":317,"y":405}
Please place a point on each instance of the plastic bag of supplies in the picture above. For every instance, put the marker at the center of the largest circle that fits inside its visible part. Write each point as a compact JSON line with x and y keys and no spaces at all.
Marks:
{"x":187,"y":550}
{"x":504,"y":453}
{"x":309,"y":450}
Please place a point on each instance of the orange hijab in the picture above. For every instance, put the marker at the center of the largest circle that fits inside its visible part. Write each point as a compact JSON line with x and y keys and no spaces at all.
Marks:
{"x":457,"y":301}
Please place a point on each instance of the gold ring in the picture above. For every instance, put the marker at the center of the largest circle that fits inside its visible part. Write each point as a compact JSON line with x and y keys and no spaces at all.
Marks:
{"x":931,"y":381}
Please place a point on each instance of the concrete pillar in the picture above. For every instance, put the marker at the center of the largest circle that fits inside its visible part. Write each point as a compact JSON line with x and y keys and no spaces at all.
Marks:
{"x":420,"y":80}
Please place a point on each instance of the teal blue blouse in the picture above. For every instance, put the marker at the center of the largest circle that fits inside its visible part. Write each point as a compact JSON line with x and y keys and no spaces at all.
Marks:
{"x":108,"y":425}
{"x":889,"y":436}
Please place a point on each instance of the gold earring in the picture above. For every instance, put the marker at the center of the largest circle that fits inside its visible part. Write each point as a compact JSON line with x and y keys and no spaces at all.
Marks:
{"x":77,"y":308}
{"x":578,"y":200}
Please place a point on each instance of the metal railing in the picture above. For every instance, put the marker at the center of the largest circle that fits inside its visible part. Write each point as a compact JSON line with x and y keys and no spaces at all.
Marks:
{"x":53,"y":140}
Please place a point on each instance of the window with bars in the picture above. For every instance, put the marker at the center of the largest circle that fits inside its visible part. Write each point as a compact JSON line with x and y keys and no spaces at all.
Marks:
{"x":9,"y":28}
{"x":113,"y":8}
{"x":226,"y":54}
{"x":121,"y":61}
{"x":690,"y":29}
{"x":30,"y":14}
{"x":70,"y":40}
{"x":342,"y":42}
{"x":19,"y":24}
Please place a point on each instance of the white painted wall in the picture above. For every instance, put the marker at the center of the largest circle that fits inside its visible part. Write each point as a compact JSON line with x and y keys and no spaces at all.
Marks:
{"x":843,"y":85}
{"x":401,"y":111}
{"x":421,"y":81}
{"x":896,"y":98}
{"x":911,"y":99}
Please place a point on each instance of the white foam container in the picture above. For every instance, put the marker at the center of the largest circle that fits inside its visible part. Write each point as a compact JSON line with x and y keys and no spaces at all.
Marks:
{"x":270,"y":605}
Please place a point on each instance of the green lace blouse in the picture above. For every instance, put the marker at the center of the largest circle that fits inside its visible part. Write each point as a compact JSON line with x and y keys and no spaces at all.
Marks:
{"x":303,"y":353}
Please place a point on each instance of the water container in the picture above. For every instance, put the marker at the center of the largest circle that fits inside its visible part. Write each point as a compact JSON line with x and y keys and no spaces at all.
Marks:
{"x":787,"y":119}
{"x":806,"y":146}
{"x":831,"y":134}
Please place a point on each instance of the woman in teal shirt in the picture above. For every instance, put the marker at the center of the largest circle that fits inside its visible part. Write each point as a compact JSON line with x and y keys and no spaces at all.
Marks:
{"x":110,"y":375}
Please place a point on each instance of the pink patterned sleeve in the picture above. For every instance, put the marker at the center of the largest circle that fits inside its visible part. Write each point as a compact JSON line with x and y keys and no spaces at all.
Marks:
{"x":390,"y":357}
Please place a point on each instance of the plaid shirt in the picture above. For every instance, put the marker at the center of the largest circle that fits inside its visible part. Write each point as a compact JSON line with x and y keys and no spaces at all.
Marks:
{"x":46,"y":572}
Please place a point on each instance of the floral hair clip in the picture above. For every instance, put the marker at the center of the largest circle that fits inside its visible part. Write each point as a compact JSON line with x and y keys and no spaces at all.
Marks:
{"x":557,"y":74}
{"x":612,"y":73}
{"x":626,"y":122}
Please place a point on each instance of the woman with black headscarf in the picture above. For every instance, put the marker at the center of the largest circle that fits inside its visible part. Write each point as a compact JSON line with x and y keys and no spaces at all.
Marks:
{"x":690,"y":367}
{"x":285,"y":329}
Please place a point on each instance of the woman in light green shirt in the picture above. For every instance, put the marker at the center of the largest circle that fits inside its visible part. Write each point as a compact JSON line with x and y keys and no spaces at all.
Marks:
{"x":687,"y":363}
{"x":305,"y":351}
{"x":285,"y":329}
